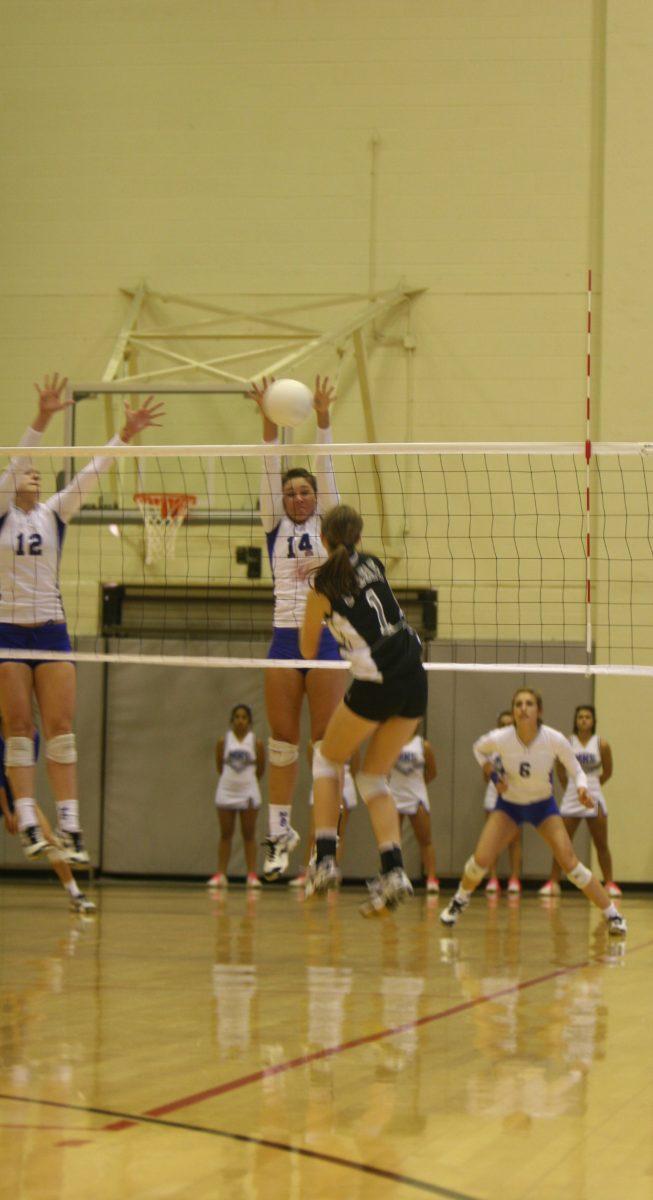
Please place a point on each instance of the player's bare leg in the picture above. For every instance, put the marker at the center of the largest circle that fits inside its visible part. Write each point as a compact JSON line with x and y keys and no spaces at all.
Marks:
{"x":16,"y":683}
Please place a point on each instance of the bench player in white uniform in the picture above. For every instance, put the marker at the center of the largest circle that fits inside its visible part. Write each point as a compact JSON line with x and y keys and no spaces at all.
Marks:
{"x":595,"y":757}
{"x":384,"y":703}
{"x":240,"y":759}
{"x":292,"y":506}
{"x":413,"y":770}
{"x":528,"y":751}
{"x":493,"y":887}
{"x":32,"y":619}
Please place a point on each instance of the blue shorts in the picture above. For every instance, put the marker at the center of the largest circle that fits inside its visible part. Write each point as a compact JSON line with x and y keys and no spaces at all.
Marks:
{"x":528,"y":814}
{"x":285,"y":644}
{"x":51,"y":636}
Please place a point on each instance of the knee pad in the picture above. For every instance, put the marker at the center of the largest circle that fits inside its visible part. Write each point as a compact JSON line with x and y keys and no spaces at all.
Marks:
{"x":55,"y":854}
{"x":324,"y":768}
{"x":473,"y":871}
{"x":19,"y":752}
{"x":580,"y":876}
{"x":372,"y":785}
{"x":62,"y":749}
{"x":282,"y":754}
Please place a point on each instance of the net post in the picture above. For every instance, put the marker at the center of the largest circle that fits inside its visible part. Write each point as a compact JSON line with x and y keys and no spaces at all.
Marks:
{"x":588,"y":463}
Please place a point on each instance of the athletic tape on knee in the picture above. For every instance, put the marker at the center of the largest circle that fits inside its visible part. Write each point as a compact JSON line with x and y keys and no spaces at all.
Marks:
{"x":370,"y":786}
{"x":324,"y":768}
{"x":62,"y":749}
{"x":580,"y":876}
{"x":19,"y":752}
{"x":282,"y":754}
{"x":473,"y":871}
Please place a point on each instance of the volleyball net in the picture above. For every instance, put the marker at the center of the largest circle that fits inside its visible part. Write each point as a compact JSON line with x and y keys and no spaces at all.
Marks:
{"x":492,"y":550}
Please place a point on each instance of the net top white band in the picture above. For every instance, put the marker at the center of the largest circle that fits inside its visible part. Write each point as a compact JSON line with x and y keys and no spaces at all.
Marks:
{"x":342,"y":449}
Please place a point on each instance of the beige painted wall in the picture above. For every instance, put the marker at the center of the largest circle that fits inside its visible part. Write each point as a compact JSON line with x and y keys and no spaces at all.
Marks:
{"x":222,"y":148}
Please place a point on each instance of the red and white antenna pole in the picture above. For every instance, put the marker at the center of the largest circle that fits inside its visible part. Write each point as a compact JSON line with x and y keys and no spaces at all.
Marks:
{"x":588,"y":461}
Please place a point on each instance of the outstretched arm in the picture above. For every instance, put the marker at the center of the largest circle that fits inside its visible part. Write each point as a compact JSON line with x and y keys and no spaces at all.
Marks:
{"x":53,"y":398}
{"x":271,"y":501}
{"x":327,"y":488}
{"x":67,"y":502}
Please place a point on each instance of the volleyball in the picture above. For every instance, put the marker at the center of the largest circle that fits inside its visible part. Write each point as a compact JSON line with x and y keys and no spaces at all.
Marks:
{"x":287,"y":402}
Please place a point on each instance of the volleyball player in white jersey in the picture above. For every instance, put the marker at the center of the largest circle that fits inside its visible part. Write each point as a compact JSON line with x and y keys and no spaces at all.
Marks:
{"x":595,"y":757}
{"x":292,"y":505}
{"x":414,"y":769}
{"x":384,"y":703}
{"x":240,"y":759}
{"x":493,"y":887}
{"x":528,"y":751}
{"x":32,"y":618}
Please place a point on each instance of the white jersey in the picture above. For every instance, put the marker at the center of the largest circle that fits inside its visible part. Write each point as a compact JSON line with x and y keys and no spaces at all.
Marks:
{"x":31,"y":542}
{"x":349,"y":799}
{"x":238,"y":785}
{"x":407,"y":778}
{"x":528,"y":770}
{"x":294,"y":549}
{"x":589,"y":757}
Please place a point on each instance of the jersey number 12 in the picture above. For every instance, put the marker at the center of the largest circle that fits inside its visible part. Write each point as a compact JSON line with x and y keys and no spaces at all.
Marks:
{"x":34,"y":544}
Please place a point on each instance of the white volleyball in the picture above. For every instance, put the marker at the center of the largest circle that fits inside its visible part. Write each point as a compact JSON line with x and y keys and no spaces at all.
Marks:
{"x":288,"y":402}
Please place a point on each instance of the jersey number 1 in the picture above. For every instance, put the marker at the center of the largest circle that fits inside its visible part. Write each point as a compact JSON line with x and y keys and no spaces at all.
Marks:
{"x":34,"y":545}
{"x":375,"y":603}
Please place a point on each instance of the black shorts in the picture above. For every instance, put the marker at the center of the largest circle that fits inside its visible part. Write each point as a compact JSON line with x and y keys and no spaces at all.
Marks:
{"x":400,"y":696}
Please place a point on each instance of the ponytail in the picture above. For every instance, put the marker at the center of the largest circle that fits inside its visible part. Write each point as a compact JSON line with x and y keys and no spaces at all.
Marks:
{"x":341,"y":528}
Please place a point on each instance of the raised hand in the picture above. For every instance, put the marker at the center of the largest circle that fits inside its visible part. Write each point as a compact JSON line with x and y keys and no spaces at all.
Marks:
{"x":53,"y":398}
{"x":323,"y":395}
{"x":138,"y":419}
{"x":257,"y":393}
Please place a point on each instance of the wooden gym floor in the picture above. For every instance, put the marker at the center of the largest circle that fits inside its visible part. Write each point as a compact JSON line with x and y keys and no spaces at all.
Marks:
{"x":256,"y":1046}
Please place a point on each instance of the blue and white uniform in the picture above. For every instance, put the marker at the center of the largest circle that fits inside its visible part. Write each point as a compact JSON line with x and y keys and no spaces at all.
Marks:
{"x":349,"y":799}
{"x":407,"y":779}
{"x":589,"y":757}
{"x":528,"y":770}
{"x":293,"y":550}
{"x":238,"y":786}
{"x":31,"y":609}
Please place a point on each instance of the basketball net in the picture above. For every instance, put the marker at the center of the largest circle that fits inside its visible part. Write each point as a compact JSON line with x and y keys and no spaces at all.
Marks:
{"x":163,"y":514}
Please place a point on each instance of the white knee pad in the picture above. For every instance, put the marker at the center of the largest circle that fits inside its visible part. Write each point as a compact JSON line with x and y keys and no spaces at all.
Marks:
{"x":324,"y":768}
{"x":580,"y":876}
{"x":19,"y":752}
{"x":62,"y":749}
{"x":282,"y":754}
{"x":55,"y":854}
{"x":372,"y":785}
{"x":473,"y":871}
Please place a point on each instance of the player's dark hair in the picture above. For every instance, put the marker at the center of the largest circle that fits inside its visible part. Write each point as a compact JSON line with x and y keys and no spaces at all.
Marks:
{"x":245,"y":708}
{"x":341,"y":529}
{"x":505,"y":712}
{"x":536,"y":696}
{"x":299,"y":473}
{"x":585,"y":708}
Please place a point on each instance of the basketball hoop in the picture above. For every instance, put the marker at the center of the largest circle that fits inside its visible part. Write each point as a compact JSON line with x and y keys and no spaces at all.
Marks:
{"x":163,"y":513}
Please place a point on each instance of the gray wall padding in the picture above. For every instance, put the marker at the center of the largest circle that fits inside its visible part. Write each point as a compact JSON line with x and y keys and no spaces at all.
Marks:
{"x":163,"y":722}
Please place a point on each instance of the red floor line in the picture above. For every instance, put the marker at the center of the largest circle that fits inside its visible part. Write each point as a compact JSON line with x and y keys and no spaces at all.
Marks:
{"x":232,"y":1085}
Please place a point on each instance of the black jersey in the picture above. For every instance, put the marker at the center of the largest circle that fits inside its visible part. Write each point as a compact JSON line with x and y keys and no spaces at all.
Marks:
{"x":371,"y":627}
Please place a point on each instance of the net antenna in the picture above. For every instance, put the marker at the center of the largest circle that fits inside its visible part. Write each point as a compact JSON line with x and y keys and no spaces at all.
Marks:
{"x":163,"y":515}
